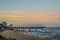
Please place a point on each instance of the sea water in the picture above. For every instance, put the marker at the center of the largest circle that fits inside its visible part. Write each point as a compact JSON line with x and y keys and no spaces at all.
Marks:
{"x":47,"y":33}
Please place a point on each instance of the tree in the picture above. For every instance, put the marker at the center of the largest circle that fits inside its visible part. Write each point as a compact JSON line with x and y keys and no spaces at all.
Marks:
{"x":1,"y":26}
{"x":4,"y":24}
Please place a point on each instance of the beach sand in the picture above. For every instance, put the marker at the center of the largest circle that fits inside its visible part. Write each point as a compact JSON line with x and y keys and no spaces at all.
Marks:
{"x":19,"y":35}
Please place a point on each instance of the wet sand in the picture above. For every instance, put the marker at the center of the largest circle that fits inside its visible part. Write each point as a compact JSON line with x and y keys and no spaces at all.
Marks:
{"x":19,"y":35}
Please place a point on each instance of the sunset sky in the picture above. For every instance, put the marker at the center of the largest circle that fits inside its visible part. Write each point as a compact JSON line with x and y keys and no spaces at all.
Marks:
{"x":46,"y":12}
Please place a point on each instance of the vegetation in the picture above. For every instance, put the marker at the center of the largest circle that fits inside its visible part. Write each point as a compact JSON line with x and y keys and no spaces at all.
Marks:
{"x":0,"y":25}
{"x":3,"y":38}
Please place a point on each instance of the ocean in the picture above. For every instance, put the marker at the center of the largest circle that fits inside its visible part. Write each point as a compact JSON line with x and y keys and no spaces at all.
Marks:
{"x":49,"y":32}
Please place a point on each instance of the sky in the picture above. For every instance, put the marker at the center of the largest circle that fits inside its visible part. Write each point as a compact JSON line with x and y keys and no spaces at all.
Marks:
{"x":46,"y":12}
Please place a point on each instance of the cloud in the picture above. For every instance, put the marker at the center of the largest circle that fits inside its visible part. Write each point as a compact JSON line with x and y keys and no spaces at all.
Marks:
{"x":7,"y":12}
{"x":29,"y":17}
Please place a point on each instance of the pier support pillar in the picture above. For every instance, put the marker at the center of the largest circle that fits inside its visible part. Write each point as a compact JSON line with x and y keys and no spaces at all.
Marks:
{"x":29,"y":30}
{"x":23,"y":30}
{"x":36,"y":30}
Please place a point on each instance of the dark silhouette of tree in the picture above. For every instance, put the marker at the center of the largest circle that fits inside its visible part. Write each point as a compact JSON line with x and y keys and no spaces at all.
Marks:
{"x":4,"y":24}
{"x":11,"y":26}
{"x":1,"y":26}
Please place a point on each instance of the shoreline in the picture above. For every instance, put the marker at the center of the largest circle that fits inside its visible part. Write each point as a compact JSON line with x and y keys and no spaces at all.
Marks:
{"x":19,"y":35}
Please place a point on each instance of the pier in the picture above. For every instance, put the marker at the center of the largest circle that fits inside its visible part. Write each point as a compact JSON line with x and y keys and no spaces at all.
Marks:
{"x":24,"y":27}
{"x":28,"y":28}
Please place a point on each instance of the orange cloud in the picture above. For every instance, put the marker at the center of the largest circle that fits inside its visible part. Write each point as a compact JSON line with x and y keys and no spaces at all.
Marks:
{"x":34,"y":17}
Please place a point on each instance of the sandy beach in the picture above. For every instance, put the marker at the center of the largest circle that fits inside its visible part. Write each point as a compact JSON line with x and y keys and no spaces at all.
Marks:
{"x":19,"y":35}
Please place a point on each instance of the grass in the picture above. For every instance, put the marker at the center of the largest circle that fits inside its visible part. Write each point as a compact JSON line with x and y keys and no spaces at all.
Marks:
{"x":3,"y":38}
